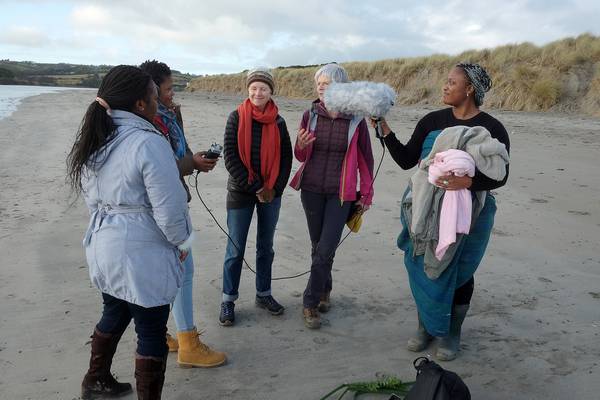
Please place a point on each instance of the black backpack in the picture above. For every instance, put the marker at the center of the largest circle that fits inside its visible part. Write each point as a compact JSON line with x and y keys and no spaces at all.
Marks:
{"x":435,"y":383}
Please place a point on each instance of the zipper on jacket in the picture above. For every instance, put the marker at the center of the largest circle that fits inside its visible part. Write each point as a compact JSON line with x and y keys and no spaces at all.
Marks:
{"x":343,"y":180}
{"x":327,"y":154}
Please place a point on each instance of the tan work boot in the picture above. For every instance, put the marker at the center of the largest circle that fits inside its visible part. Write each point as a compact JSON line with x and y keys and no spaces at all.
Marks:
{"x":312,"y":319}
{"x":324,"y":302}
{"x":193,"y":353}
{"x":172,"y":343}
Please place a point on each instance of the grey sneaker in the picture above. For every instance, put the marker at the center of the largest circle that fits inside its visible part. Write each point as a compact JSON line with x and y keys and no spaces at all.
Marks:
{"x":269,"y":304}
{"x":227,"y":315}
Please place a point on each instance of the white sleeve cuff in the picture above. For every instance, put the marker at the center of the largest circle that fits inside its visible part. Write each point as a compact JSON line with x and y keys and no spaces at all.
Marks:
{"x":187,"y":244}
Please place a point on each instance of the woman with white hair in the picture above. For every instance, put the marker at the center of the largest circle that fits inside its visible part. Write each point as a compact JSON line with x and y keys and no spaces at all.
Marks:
{"x":335,"y":150}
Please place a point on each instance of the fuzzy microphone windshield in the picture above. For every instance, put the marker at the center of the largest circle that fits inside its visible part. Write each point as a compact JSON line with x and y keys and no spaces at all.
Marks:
{"x":360,"y":98}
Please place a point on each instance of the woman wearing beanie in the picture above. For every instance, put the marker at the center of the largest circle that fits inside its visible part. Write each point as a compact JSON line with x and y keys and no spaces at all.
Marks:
{"x":335,"y":151}
{"x":443,"y":302}
{"x":258,"y":157}
{"x":191,"y":352}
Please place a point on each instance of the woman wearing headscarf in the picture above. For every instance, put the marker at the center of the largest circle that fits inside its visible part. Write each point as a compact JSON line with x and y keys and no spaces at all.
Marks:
{"x":139,"y":229}
{"x":443,"y":302}
{"x":191,"y":351}
{"x":336,"y":156}
{"x":258,"y":156}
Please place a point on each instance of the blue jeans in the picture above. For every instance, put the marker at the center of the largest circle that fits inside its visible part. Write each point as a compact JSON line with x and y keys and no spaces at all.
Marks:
{"x":238,"y":223}
{"x":150,"y":324}
{"x":183,"y":306}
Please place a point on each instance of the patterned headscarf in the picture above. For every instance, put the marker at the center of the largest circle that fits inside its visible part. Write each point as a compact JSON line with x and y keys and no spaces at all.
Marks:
{"x":479,"y":78}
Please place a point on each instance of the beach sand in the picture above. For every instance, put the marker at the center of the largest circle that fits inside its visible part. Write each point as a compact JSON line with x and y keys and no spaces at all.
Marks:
{"x":532,"y":333}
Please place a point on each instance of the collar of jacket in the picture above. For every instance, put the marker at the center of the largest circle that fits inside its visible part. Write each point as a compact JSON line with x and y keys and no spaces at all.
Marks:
{"x":129,"y":119}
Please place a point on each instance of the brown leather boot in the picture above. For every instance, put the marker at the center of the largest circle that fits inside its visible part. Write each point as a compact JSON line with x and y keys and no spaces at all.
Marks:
{"x":149,"y":376}
{"x":324,"y":302}
{"x":99,"y":382}
{"x":312,"y":319}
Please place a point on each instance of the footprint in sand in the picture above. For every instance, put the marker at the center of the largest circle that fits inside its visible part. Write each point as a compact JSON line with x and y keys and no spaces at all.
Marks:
{"x":320,"y":340}
{"x":501,"y":233}
{"x":575,"y":212}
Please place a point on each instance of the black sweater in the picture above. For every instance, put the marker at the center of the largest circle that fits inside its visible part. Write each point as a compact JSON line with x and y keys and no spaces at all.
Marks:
{"x":239,"y":193}
{"x":408,"y":155}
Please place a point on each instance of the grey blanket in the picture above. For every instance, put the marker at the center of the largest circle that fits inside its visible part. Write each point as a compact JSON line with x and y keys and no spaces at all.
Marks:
{"x":422,"y":202}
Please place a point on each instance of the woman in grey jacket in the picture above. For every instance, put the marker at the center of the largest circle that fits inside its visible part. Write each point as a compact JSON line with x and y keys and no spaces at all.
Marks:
{"x":138,"y":231}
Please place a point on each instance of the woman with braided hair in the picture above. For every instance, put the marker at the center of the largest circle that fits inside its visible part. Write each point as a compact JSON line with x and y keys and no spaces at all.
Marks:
{"x":139,"y":230}
{"x":443,"y":302}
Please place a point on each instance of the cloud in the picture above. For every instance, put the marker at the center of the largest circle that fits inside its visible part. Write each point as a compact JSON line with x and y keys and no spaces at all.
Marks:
{"x":25,"y":36}
{"x":90,"y":18}
{"x":229,"y":36}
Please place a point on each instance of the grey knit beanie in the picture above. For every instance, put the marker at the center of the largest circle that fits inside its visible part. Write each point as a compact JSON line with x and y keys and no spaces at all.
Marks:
{"x":261,"y":75}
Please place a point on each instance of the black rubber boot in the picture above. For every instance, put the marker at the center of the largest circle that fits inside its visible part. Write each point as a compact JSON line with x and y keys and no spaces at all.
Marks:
{"x":421,"y":340}
{"x":449,"y":346}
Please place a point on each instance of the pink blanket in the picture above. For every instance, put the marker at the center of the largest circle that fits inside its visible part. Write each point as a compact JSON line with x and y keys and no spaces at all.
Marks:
{"x":455,"y":216}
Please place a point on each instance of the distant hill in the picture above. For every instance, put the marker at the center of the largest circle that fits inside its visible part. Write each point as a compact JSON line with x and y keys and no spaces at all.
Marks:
{"x":32,"y":73}
{"x":560,"y":76}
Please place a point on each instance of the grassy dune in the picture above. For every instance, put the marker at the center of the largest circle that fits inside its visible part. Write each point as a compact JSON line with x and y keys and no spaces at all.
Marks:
{"x":560,"y":76}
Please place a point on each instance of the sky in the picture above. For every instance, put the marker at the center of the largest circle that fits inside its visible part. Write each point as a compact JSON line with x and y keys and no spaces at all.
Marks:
{"x":210,"y":37}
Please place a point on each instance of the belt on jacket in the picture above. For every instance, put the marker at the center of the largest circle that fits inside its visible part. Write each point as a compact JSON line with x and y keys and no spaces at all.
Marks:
{"x":102,"y":211}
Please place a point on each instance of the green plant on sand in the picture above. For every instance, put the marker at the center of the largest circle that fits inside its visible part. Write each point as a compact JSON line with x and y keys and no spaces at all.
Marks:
{"x":383,"y":385}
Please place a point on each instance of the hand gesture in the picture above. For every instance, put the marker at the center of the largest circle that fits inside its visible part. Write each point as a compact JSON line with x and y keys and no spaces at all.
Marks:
{"x":453,"y":182}
{"x":304,"y":138}
{"x":266,"y":195}
{"x":385,"y":129}
{"x":362,"y":207}
{"x":183,"y":255}
{"x":203,"y":164}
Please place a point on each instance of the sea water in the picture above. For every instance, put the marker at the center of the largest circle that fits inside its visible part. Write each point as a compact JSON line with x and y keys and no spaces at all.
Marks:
{"x":12,"y":95}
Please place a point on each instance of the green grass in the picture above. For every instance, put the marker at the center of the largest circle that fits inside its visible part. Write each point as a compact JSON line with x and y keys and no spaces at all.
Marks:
{"x":561,"y":76}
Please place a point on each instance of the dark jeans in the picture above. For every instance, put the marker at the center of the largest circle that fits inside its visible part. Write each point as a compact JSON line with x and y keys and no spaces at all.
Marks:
{"x":462,"y":295}
{"x":326,"y":217}
{"x":150,"y":324}
{"x":238,"y":224}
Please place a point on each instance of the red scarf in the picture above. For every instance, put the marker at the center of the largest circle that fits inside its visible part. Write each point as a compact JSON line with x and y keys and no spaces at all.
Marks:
{"x":270,"y":148}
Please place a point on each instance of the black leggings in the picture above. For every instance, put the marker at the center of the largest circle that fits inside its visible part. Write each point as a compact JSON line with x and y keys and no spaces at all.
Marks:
{"x":462,"y":295}
{"x":150,"y":324}
{"x":326,"y":218}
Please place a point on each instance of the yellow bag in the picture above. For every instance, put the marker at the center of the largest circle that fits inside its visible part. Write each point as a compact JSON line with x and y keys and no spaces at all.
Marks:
{"x":355,"y":221}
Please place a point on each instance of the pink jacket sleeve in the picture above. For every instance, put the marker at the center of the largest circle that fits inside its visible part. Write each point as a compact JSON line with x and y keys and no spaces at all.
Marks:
{"x":365,"y":163}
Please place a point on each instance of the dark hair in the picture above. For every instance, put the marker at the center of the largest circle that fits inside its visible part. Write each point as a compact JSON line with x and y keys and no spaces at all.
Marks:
{"x":159,"y":71}
{"x":122,"y":86}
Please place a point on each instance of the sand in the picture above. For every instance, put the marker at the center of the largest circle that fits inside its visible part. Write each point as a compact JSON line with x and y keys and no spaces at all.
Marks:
{"x":532,"y":333}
